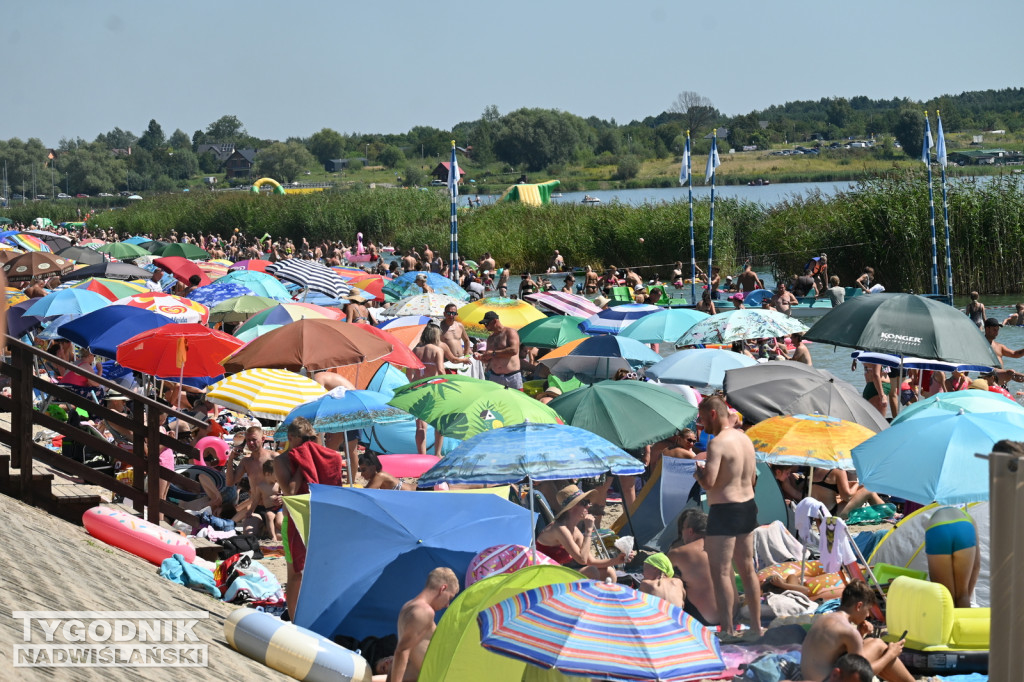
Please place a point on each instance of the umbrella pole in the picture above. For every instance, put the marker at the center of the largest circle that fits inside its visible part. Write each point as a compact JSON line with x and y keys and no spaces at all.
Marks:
{"x":533,"y":523}
{"x":348,"y":461}
{"x":625,"y":507}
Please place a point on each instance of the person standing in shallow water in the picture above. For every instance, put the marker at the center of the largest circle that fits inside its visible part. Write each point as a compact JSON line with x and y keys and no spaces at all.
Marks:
{"x":976,"y":310}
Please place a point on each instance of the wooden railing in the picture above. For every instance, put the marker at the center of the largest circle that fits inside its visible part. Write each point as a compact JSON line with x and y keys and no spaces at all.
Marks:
{"x":143,"y":424}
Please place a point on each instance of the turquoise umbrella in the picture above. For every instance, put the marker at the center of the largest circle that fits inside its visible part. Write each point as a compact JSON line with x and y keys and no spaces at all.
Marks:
{"x":698,"y":367}
{"x":68,"y":302}
{"x":970,"y":401}
{"x":345,"y":410}
{"x":260,"y":283}
{"x":664,"y":326}
{"x":740,"y":325}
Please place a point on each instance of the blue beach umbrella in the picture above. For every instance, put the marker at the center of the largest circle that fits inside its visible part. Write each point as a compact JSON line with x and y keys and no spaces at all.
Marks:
{"x":219,"y":291}
{"x":18,"y":323}
{"x":345,"y":410}
{"x":664,"y":326}
{"x":616,"y":319}
{"x":601,"y":357}
{"x":67,"y":301}
{"x":405,"y":285}
{"x":970,"y":401}
{"x":51,"y":329}
{"x":137,"y":240}
{"x":405,"y":321}
{"x":103,"y":330}
{"x":698,"y":367}
{"x":260,"y":283}
{"x":396,"y":535}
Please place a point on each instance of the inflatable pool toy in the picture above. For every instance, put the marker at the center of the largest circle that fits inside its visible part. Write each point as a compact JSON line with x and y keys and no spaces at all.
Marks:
{"x":292,"y":650}
{"x":192,"y":471}
{"x":361,"y":255}
{"x":504,"y":559}
{"x":823,"y":586}
{"x":137,"y":536}
{"x":218,"y":445}
{"x":407,"y":466}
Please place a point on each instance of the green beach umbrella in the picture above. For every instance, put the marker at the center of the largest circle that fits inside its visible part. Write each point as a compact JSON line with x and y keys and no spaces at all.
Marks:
{"x":190,"y":251}
{"x":551,"y":332}
{"x":240,"y":308}
{"x":123,"y":251}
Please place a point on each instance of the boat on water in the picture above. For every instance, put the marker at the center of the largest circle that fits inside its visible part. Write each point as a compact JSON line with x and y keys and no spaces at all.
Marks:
{"x":760,"y":182}
{"x":587,"y":199}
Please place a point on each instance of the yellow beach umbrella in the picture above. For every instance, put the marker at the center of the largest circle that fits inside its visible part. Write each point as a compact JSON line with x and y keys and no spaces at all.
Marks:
{"x":512,"y":312}
{"x":808,"y":440}
{"x":264,"y":393}
{"x":15,"y":295}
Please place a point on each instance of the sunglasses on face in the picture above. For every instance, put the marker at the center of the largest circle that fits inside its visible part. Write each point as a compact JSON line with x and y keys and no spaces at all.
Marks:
{"x":450,"y":313}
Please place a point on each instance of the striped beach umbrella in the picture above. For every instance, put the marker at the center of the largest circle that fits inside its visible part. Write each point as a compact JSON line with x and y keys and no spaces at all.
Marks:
{"x":311,"y":275}
{"x":614,"y":320}
{"x":26,"y":242}
{"x":112,"y":289}
{"x":601,"y":630}
{"x":264,"y":393}
{"x":564,"y":304}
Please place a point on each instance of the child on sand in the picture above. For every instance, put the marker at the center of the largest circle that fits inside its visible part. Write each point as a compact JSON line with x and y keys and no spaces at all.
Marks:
{"x":267,"y":501}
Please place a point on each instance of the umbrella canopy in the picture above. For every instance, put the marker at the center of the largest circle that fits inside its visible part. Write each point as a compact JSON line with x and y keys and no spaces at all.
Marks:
{"x":136,"y":240}
{"x":405,"y":285}
{"x":311,"y":275}
{"x":699,"y":367}
{"x":630,"y":414}
{"x":395,"y":535}
{"x":551,"y":332}
{"x":111,"y":289}
{"x":264,"y":393}
{"x":123,"y":251}
{"x":190,"y":251}
{"x":427,"y":305}
{"x":283,"y":313}
{"x":740,"y":325}
{"x":404,"y":321}
{"x":51,"y":328}
{"x":310,"y":345}
{"x":400,"y":355}
{"x":18,"y":323}
{"x":889,"y":360}
{"x":461,"y":407}
{"x":344,"y":410}
{"x":614,"y":320}
{"x":82,"y":255}
{"x":251,"y":333}
{"x":15,"y":295}
{"x":27,"y":242}
{"x":109,"y":270}
{"x":252,"y":264}
{"x":504,"y":559}
{"x":104,"y":330}
{"x":260,"y":283}
{"x":932,"y":459}
{"x":600,"y":357}
{"x":372,"y":286}
{"x":219,"y":292}
{"x":56,"y":242}
{"x":68,"y":302}
{"x":542,"y":452}
{"x":182,"y":269}
{"x":904,"y":324}
{"x":153,"y":246}
{"x":564,"y":304}
{"x":7,"y":255}
{"x":970,"y":401}
{"x":213,"y":270}
{"x":185,"y":350}
{"x":512,"y":313}
{"x":176,"y":308}
{"x":664,"y":326}
{"x":808,"y":440}
{"x":240,"y":308}
{"x":35,"y":264}
{"x":601,"y":630}
{"x":778,"y":388}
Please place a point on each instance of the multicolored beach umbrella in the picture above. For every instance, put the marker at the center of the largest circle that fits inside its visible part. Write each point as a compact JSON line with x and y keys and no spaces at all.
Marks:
{"x":614,"y":320}
{"x":600,"y":630}
{"x":808,"y":440}
{"x":513,"y":313}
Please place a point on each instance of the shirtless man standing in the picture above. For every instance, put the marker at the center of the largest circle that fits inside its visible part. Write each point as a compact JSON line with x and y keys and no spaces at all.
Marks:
{"x":728,"y":477}
{"x":748,"y":279}
{"x":416,"y":624}
{"x":502,"y":354}
{"x":689,"y":557}
{"x":842,"y":632}
{"x":487,"y":263}
{"x":660,"y":581}
{"x":453,"y":334}
{"x":991,"y":332}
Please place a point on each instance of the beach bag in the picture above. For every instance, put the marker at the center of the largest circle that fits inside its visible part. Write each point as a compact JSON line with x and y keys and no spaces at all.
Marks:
{"x":772,"y":668}
{"x":238,"y":544}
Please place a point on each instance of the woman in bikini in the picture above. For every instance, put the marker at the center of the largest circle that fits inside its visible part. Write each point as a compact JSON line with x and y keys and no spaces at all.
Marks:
{"x":373,"y":473}
{"x":565,"y":543}
{"x":834,"y":488}
{"x":431,"y":353}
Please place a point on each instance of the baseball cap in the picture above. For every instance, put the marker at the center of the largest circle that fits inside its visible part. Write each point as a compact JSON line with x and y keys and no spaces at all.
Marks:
{"x":488,"y":316}
{"x":992,"y":322}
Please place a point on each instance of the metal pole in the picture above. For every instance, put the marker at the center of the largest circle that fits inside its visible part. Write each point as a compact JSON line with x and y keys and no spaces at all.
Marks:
{"x":711,"y":224}
{"x":693,"y":252}
{"x":945,"y":218}
{"x":931,"y":206}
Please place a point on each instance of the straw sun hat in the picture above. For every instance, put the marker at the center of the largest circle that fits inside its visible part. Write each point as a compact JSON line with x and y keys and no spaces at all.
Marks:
{"x":569,"y":496}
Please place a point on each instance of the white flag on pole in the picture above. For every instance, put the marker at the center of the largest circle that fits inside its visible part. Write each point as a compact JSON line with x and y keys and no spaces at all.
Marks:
{"x":713,"y":161}
{"x":684,"y":167}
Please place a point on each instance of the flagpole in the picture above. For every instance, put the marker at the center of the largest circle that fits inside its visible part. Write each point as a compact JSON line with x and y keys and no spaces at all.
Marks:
{"x":941,"y":153}
{"x":693,"y":251}
{"x":926,"y":156}
{"x":453,"y":191}
{"x":712,"y":164}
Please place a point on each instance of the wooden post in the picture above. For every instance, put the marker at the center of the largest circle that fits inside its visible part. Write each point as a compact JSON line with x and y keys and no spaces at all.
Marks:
{"x":139,"y":449}
{"x":153,"y":465}
{"x":1006,"y":543}
{"x":21,"y":421}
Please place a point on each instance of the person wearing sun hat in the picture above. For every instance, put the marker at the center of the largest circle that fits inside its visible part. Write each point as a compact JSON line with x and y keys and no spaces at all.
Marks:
{"x":355,"y":309}
{"x":660,"y":581}
{"x":564,"y":542}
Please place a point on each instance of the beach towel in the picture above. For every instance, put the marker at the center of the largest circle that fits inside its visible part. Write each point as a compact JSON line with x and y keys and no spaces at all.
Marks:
{"x":253,"y":582}
{"x":835,"y":545}
{"x":177,"y":570}
{"x":773,"y":544}
{"x":809,"y":510}
{"x":317,"y":464}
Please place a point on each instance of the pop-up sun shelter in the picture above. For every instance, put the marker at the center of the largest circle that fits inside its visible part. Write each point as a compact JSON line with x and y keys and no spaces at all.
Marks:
{"x":533,"y":194}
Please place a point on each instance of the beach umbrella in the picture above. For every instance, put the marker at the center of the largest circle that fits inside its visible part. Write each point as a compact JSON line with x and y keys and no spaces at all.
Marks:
{"x":808,"y":440}
{"x":564,"y":304}
{"x":600,"y":357}
{"x":240,"y":308}
{"x":51,"y":329}
{"x":890,"y":360}
{"x":6,"y":255}
{"x":215,"y":293}
{"x":26,"y":242}
{"x":182,"y":269}
{"x":372,"y":285}
{"x":630,"y":414}
{"x":932,"y":459}
{"x":4,"y":220}
{"x":504,"y":559}
{"x":427,"y":305}
{"x":512,"y":312}
{"x":68,"y":302}
{"x":405,"y":285}
{"x":904,"y":324}
{"x":108,"y":270}
{"x":18,"y":323}
{"x":15,"y":295}
{"x":179,"y":350}
{"x":190,"y":251}
{"x":310,"y":275}
{"x":260,"y":283}
{"x":342,"y":409}
{"x":970,"y":401}
{"x":699,"y":367}
{"x":34,"y":264}
{"x":56,"y":242}
{"x":404,"y":321}
{"x":213,"y":270}
{"x":551,"y":332}
{"x":176,"y":308}
{"x":136,"y":240}
{"x":251,"y":264}
{"x":664,"y":326}
{"x":123,"y":251}
{"x":350,"y":274}
{"x":283,"y":313}
{"x":395,"y":535}
{"x":251,"y":333}
{"x":264,"y":393}
{"x":614,"y":320}
{"x":153,"y":246}
{"x":601,"y":630}
{"x":740,"y":325}
{"x":400,"y":355}
{"x":82,"y":255}
{"x":310,"y":345}
{"x":111,"y":289}
{"x":529,"y":450}
{"x":461,"y":407}
{"x":103,"y":330}
{"x":778,"y":388}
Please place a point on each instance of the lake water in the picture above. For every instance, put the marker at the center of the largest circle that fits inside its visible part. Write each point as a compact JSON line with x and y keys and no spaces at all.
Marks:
{"x":763,"y":194}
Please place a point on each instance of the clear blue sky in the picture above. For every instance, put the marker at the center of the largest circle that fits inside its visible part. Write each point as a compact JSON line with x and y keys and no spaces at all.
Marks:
{"x":77,"y":69}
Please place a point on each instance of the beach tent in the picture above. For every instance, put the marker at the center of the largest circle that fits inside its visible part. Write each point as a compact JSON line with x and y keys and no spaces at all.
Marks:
{"x":455,"y":653}
{"x":532,"y":194}
{"x":904,"y":545}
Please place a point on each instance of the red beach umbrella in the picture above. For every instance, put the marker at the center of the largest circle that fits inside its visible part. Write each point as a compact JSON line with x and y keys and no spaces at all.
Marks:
{"x":186,"y":350}
{"x":182,"y":269}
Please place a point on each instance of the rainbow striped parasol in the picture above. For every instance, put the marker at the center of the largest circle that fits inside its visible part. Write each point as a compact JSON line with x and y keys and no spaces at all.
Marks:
{"x":601,"y":630}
